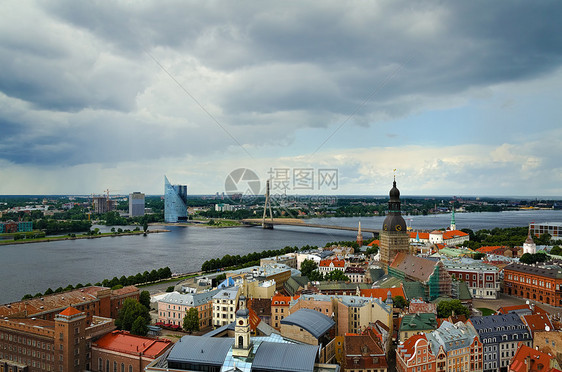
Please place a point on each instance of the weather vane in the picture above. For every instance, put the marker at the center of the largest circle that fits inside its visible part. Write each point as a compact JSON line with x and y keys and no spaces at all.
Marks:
{"x":394,"y":170}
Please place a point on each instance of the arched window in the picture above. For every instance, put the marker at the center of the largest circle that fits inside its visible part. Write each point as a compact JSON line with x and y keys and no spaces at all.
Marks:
{"x":240,"y":340}
{"x":122,"y":367}
{"x":100,"y":365}
{"x":130,"y":368}
{"x":114,"y":366}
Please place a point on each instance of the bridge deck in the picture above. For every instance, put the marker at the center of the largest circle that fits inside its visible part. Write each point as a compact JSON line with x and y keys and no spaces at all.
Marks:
{"x":301,"y":223}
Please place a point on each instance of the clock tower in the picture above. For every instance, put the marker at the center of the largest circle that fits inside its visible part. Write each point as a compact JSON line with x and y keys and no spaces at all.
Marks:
{"x":394,"y":237}
{"x":242,"y":343}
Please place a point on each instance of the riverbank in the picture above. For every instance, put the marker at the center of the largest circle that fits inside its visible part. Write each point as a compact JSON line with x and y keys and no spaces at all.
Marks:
{"x":65,"y":237}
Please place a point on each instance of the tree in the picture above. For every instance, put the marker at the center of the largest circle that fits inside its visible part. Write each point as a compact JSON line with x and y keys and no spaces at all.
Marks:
{"x":373,"y":249}
{"x":446,"y":308}
{"x":556,"y":250}
{"x":170,"y":289}
{"x":478,"y":256}
{"x":191,"y":320}
{"x":307,"y":267}
{"x":145,"y":226}
{"x":140,"y":326}
{"x":399,"y":302}
{"x":144,"y":299}
{"x":336,"y":275}
{"x":130,"y":311}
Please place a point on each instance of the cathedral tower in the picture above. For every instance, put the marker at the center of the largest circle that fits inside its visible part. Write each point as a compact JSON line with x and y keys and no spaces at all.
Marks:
{"x":393,"y":238}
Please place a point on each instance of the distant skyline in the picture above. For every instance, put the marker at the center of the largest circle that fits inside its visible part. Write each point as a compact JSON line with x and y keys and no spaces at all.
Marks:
{"x":460,"y":98}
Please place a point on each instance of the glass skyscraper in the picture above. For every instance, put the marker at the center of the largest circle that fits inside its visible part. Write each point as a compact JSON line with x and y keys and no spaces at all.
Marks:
{"x":175,"y":202}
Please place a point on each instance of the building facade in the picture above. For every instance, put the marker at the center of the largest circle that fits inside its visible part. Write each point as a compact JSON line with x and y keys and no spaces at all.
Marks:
{"x":483,"y":279}
{"x":225,"y":303}
{"x":414,"y":355}
{"x":500,"y":336}
{"x":175,"y":202}
{"x":554,"y":229}
{"x":542,"y":283}
{"x":456,"y":347}
{"x":122,"y":352}
{"x":136,"y":204}
{"x":58,"y":345}
{"x":174,"y":306}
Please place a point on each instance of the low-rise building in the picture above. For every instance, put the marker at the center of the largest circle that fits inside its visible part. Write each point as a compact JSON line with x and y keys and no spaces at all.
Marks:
{"x":456,"y":347}
{"x":415,"y":355}
{"x":355,"y":274}
{"x":527,"y":359}
{"x":541,"y":282}
{"x":330,"y":265}
{"x":364,"y":352}
{"x":121,"y":351}
{"x":351,"y":313}
{"x":173,"y":307}
{"x":500,"y":335}
{"x":224,"y":306}
{"x":60,"y":344}
{"x":412,"y":324}
{"x":483,"y":279}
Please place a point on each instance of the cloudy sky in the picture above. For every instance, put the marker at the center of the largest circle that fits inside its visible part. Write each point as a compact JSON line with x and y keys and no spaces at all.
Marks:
{"x":461,"y":98}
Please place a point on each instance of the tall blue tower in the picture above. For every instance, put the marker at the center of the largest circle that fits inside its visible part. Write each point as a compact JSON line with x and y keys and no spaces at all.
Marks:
{"x":175,"y":202}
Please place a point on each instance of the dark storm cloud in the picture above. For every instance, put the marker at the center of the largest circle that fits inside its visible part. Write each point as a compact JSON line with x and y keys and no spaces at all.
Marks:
{"x":273,"y":67}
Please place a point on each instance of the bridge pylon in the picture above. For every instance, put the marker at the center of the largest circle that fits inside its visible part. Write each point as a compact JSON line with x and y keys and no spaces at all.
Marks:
{"x":267,"y":207}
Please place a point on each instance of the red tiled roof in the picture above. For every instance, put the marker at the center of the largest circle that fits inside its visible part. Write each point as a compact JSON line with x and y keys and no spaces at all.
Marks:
{"x":409,"y":345}
{"x":122,"y":341}
{"x":507,"y":309}
{"x":254,"y":319}
{"x":367,"y":346}
{"x":538,"y":322}
{"x":382,"y":292}
{"x":537,"y":360}
{"x":422,"y":235}
{"x":374,"y":242}
{"x":491,"y":248}
{"x":70,"y":311}
{"x":335,"y":262}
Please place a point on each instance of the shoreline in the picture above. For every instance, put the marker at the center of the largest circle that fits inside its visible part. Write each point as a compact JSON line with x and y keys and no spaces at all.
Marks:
{"x":61,"y":238}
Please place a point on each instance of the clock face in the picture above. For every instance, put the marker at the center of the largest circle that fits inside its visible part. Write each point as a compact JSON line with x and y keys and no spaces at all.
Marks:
{"x":398,"y":227}
{"x":385,"y":227}
{"x":241,"y":322}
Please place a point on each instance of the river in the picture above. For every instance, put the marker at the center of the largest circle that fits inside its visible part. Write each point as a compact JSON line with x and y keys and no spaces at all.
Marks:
{"x":32,"y":268}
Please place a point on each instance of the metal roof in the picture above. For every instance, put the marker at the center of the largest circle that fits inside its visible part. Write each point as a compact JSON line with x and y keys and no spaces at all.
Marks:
{"x":200,"y":350}
{"x":273,"y":356}
{"x":312,"y":321}
{"x":191,"y":299}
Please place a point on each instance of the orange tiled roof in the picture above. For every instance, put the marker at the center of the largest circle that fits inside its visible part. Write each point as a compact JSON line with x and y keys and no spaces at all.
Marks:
{"x":280,"y":300}
{"x":491,"y":248}
{"x":122,"y":341}
{"x":453,"y":234}
{"x":377,"y":242}
{"x":335,"y":262}
{"x":382,"y":292}
{"x":70,"y":311}
{"x":422,"y":235}
{"x":538,"y":361}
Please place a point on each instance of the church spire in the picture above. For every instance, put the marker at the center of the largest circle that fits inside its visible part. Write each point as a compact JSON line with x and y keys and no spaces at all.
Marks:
{"x":359,"y":235}
{"x":453,"y":224}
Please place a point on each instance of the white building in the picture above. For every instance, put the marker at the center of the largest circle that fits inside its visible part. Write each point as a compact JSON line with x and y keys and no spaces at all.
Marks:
{"x":224,"y":306}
